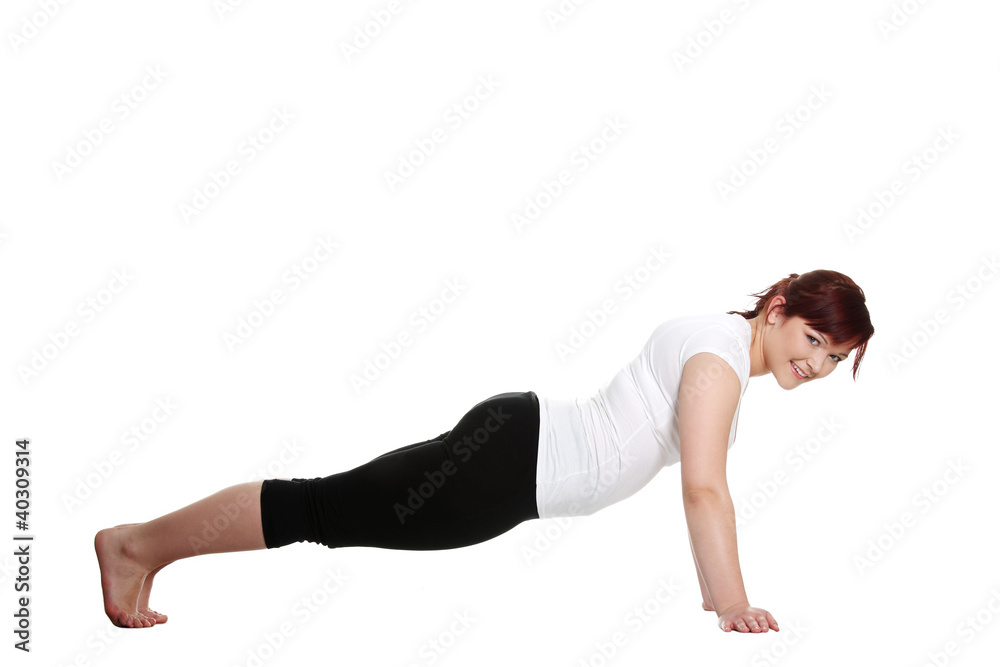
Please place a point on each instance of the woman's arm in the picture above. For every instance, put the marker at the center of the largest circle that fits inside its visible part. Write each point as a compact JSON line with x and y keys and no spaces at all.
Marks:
{"x":706,"y":599}
{"x":709,"y":395}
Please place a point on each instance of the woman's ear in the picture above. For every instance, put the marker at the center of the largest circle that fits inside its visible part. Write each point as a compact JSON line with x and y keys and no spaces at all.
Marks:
{"x":774,"y":314}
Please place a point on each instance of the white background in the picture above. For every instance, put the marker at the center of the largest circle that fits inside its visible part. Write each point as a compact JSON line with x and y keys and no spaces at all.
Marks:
{"x":685,"y":128}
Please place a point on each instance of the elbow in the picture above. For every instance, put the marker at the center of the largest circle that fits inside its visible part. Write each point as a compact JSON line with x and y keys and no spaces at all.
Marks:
{"x":706,"y":495}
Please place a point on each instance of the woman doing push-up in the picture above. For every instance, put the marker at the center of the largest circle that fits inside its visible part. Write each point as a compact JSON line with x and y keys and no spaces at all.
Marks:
{"x":517,"y":456}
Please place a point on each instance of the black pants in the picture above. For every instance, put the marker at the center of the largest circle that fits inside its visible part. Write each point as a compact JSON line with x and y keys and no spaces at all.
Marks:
{"x":465,"y":486}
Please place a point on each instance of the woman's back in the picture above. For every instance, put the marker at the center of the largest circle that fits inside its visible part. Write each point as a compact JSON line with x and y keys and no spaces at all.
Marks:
{"x":596,"y":451}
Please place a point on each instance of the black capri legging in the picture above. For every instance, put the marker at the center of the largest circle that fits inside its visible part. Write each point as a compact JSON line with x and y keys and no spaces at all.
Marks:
{"x":463,"y":487}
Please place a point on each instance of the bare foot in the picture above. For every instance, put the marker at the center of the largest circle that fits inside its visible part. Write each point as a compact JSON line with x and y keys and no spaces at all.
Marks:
{"x":121,"y":579}
{"x":147,"y":586}
{"x":143,"y":605}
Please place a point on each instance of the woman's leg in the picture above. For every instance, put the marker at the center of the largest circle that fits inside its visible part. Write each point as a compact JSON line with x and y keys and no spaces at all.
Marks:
{"x":130,"y":555}
{"x":469,"y":485}
{"x":465,"y":486}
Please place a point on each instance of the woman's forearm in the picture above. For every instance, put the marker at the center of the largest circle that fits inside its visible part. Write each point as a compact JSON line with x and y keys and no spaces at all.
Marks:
{"x":705,"y":596}
{"x":711,"y":520}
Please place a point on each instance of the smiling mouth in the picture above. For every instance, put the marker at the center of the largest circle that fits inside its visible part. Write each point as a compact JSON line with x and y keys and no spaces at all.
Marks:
{"x":798,"y":372}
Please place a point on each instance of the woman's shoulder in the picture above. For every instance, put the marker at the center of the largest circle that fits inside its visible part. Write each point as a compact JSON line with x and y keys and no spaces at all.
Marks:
{"x":732,"y":326}
{"x":678,"y":339}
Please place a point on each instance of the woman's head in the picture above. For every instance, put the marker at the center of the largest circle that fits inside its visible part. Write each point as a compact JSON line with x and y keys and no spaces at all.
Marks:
{"x":825,"y":301}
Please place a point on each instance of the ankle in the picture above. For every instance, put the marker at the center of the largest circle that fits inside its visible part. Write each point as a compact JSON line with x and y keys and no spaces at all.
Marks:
{"x":130,"y":545}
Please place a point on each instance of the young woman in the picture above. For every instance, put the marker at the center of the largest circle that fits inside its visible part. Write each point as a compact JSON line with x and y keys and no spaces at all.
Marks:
{"x":515,"y":456}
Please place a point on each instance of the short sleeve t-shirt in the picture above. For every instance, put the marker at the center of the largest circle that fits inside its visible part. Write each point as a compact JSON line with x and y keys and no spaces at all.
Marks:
{"x":596,"y":451}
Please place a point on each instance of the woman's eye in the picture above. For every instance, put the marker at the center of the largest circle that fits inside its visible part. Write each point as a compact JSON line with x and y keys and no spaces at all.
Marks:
{"x":813,"y":339}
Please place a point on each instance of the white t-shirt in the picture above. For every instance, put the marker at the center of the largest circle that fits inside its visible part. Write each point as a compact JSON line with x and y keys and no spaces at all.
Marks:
{"x":593,"y":452}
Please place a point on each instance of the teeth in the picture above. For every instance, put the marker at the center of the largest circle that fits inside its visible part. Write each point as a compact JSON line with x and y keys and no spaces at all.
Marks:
{"x":798,"y":370}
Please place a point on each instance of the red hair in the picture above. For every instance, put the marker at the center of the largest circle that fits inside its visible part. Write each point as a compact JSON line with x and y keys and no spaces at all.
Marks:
{"x":828,"y":301}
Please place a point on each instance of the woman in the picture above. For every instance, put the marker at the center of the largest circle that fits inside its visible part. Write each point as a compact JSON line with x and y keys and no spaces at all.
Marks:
{"x":515,"y":457}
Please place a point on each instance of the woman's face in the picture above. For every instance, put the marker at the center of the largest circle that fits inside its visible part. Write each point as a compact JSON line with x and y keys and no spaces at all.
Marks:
{"x":796,"y":353}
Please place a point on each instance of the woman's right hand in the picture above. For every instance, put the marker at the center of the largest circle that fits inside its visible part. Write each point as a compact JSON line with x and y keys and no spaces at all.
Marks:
{"x":744,"y":618}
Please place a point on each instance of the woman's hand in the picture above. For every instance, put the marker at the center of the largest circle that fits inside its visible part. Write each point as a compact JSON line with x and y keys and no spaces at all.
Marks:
{"x":744,"y":618}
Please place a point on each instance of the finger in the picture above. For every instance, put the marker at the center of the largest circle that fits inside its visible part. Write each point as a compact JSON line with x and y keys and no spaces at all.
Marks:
{"x":752,"y":624}
{"x":762,"y":623}
{"x":742,"y":626}
{"x":773,"y":623}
